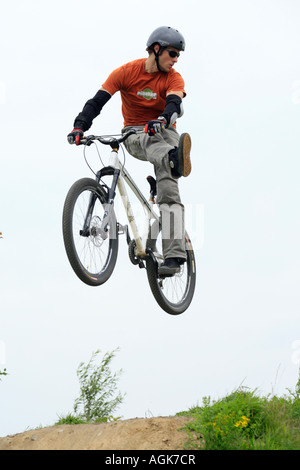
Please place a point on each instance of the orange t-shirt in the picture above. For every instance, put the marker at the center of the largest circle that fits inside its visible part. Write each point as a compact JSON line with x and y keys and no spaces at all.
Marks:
{"x":143,"y":94}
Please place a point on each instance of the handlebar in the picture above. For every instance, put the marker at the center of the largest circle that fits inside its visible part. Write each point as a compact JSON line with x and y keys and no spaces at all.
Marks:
{"x":114,"y":142}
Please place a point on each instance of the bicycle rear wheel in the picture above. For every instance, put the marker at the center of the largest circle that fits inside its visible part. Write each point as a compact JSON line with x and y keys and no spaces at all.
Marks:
{"x":173,"y":294}
{"x":91,"y":256}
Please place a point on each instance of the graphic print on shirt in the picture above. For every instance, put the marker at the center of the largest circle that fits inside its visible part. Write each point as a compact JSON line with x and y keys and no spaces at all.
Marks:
{"x":148,"y":94}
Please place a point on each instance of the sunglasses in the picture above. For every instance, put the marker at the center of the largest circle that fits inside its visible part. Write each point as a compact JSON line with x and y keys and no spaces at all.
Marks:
{"x":173,"y":54}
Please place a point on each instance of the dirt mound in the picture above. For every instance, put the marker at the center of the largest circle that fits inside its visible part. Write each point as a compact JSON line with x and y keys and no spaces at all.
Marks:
{"x":161,"y":433}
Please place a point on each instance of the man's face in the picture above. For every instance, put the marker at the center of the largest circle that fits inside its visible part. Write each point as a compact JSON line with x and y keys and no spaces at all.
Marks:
{"x":166,"y":62}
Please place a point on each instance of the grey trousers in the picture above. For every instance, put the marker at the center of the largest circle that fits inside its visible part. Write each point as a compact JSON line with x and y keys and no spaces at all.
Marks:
{"x":155,"y":149}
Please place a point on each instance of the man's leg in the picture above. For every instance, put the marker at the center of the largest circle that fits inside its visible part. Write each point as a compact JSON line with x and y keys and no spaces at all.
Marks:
{"x":156,"y":149}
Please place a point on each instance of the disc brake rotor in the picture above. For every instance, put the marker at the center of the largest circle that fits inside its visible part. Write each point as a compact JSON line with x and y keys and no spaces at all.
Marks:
{"x":95,"y":237}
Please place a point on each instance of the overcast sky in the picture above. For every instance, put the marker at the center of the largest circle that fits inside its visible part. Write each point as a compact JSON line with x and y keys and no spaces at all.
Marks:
{"x":242,"y":73}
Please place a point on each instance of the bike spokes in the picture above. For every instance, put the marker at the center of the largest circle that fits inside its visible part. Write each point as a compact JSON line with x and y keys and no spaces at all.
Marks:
{"x":92,"y":251}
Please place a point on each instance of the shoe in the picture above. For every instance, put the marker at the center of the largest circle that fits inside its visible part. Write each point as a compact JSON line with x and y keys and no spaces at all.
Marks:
{"x":179,"y":158}
{"x":169,"y":267}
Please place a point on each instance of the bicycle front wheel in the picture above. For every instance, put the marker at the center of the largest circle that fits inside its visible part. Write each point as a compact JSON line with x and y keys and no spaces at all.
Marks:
{"x":91,"y":255}
{"x":174,"y":294}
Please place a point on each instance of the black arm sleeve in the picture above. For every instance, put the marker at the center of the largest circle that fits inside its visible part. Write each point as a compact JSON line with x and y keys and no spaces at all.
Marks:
{"x":173,"y":109}
{"x":91,"y":110}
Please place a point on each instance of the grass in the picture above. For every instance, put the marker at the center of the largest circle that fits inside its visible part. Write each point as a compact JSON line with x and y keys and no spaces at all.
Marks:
{"x":74,"y":419}
{"x":245,"y":421}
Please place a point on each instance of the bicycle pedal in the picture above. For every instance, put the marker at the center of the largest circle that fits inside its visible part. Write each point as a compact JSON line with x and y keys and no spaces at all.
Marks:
{"x":122,"y":229}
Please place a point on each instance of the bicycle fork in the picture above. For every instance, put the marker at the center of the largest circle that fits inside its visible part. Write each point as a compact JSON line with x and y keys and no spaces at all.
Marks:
{"x":103,"y":229}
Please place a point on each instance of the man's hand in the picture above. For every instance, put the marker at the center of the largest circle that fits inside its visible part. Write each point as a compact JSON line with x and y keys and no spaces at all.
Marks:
{"x":75,"y":136}
{"x":154,"y":127}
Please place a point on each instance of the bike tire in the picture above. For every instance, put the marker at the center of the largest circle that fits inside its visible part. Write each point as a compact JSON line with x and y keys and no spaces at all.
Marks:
{"x":173,"y":294}
{"x":92,"y":258}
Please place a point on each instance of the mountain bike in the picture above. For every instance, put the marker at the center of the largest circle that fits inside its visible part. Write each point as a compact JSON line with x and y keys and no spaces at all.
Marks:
{"x":91,"y":230}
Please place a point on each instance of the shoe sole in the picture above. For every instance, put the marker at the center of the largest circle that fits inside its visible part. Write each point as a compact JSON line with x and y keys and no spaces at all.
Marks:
{"x":168,"y":272}
{"x":184,"y":151}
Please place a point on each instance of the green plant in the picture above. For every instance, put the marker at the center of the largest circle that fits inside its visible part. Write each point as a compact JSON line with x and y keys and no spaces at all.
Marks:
{"x":98,"y":397}
{"x":2,"y":373}
{"x":70,"y":419}
{"x":243,"y":420}
{"x":226,"y":423}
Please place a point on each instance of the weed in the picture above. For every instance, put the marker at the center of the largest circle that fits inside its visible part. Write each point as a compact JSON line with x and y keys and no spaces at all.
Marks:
{"x":2,"y":373}
{"x":98,"y":392}
{"x":245,"y":421}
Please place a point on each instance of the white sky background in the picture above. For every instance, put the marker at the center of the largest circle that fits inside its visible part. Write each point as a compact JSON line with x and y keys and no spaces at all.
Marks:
{"x":242,"y":74}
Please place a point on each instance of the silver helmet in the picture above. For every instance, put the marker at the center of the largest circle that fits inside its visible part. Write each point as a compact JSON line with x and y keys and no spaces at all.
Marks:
{"x":166,"y":36}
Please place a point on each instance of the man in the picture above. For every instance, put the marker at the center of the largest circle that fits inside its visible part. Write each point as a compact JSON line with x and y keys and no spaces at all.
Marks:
{"x":152,"y":93}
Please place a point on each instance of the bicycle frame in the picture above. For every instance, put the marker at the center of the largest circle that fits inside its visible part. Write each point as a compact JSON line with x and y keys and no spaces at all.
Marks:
{"x":120,"y":176}
{"x":91,"y":232}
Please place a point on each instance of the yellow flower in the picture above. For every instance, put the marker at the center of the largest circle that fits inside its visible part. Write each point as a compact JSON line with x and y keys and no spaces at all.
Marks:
{"x":243,"y":422}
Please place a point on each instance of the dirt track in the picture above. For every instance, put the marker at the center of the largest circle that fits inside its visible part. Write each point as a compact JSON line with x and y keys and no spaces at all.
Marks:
{"x":134,"y":434}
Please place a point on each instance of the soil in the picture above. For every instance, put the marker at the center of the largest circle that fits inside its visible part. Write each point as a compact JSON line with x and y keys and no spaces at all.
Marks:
{"x":162,"y":433}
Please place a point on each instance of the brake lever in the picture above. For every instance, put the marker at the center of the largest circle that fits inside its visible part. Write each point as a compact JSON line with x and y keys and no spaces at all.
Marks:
{"x":87,"y":140}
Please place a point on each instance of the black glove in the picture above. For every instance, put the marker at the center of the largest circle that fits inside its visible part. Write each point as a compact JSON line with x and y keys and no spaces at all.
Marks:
{"x":154,"y":127}
{"x":75,"y":136}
